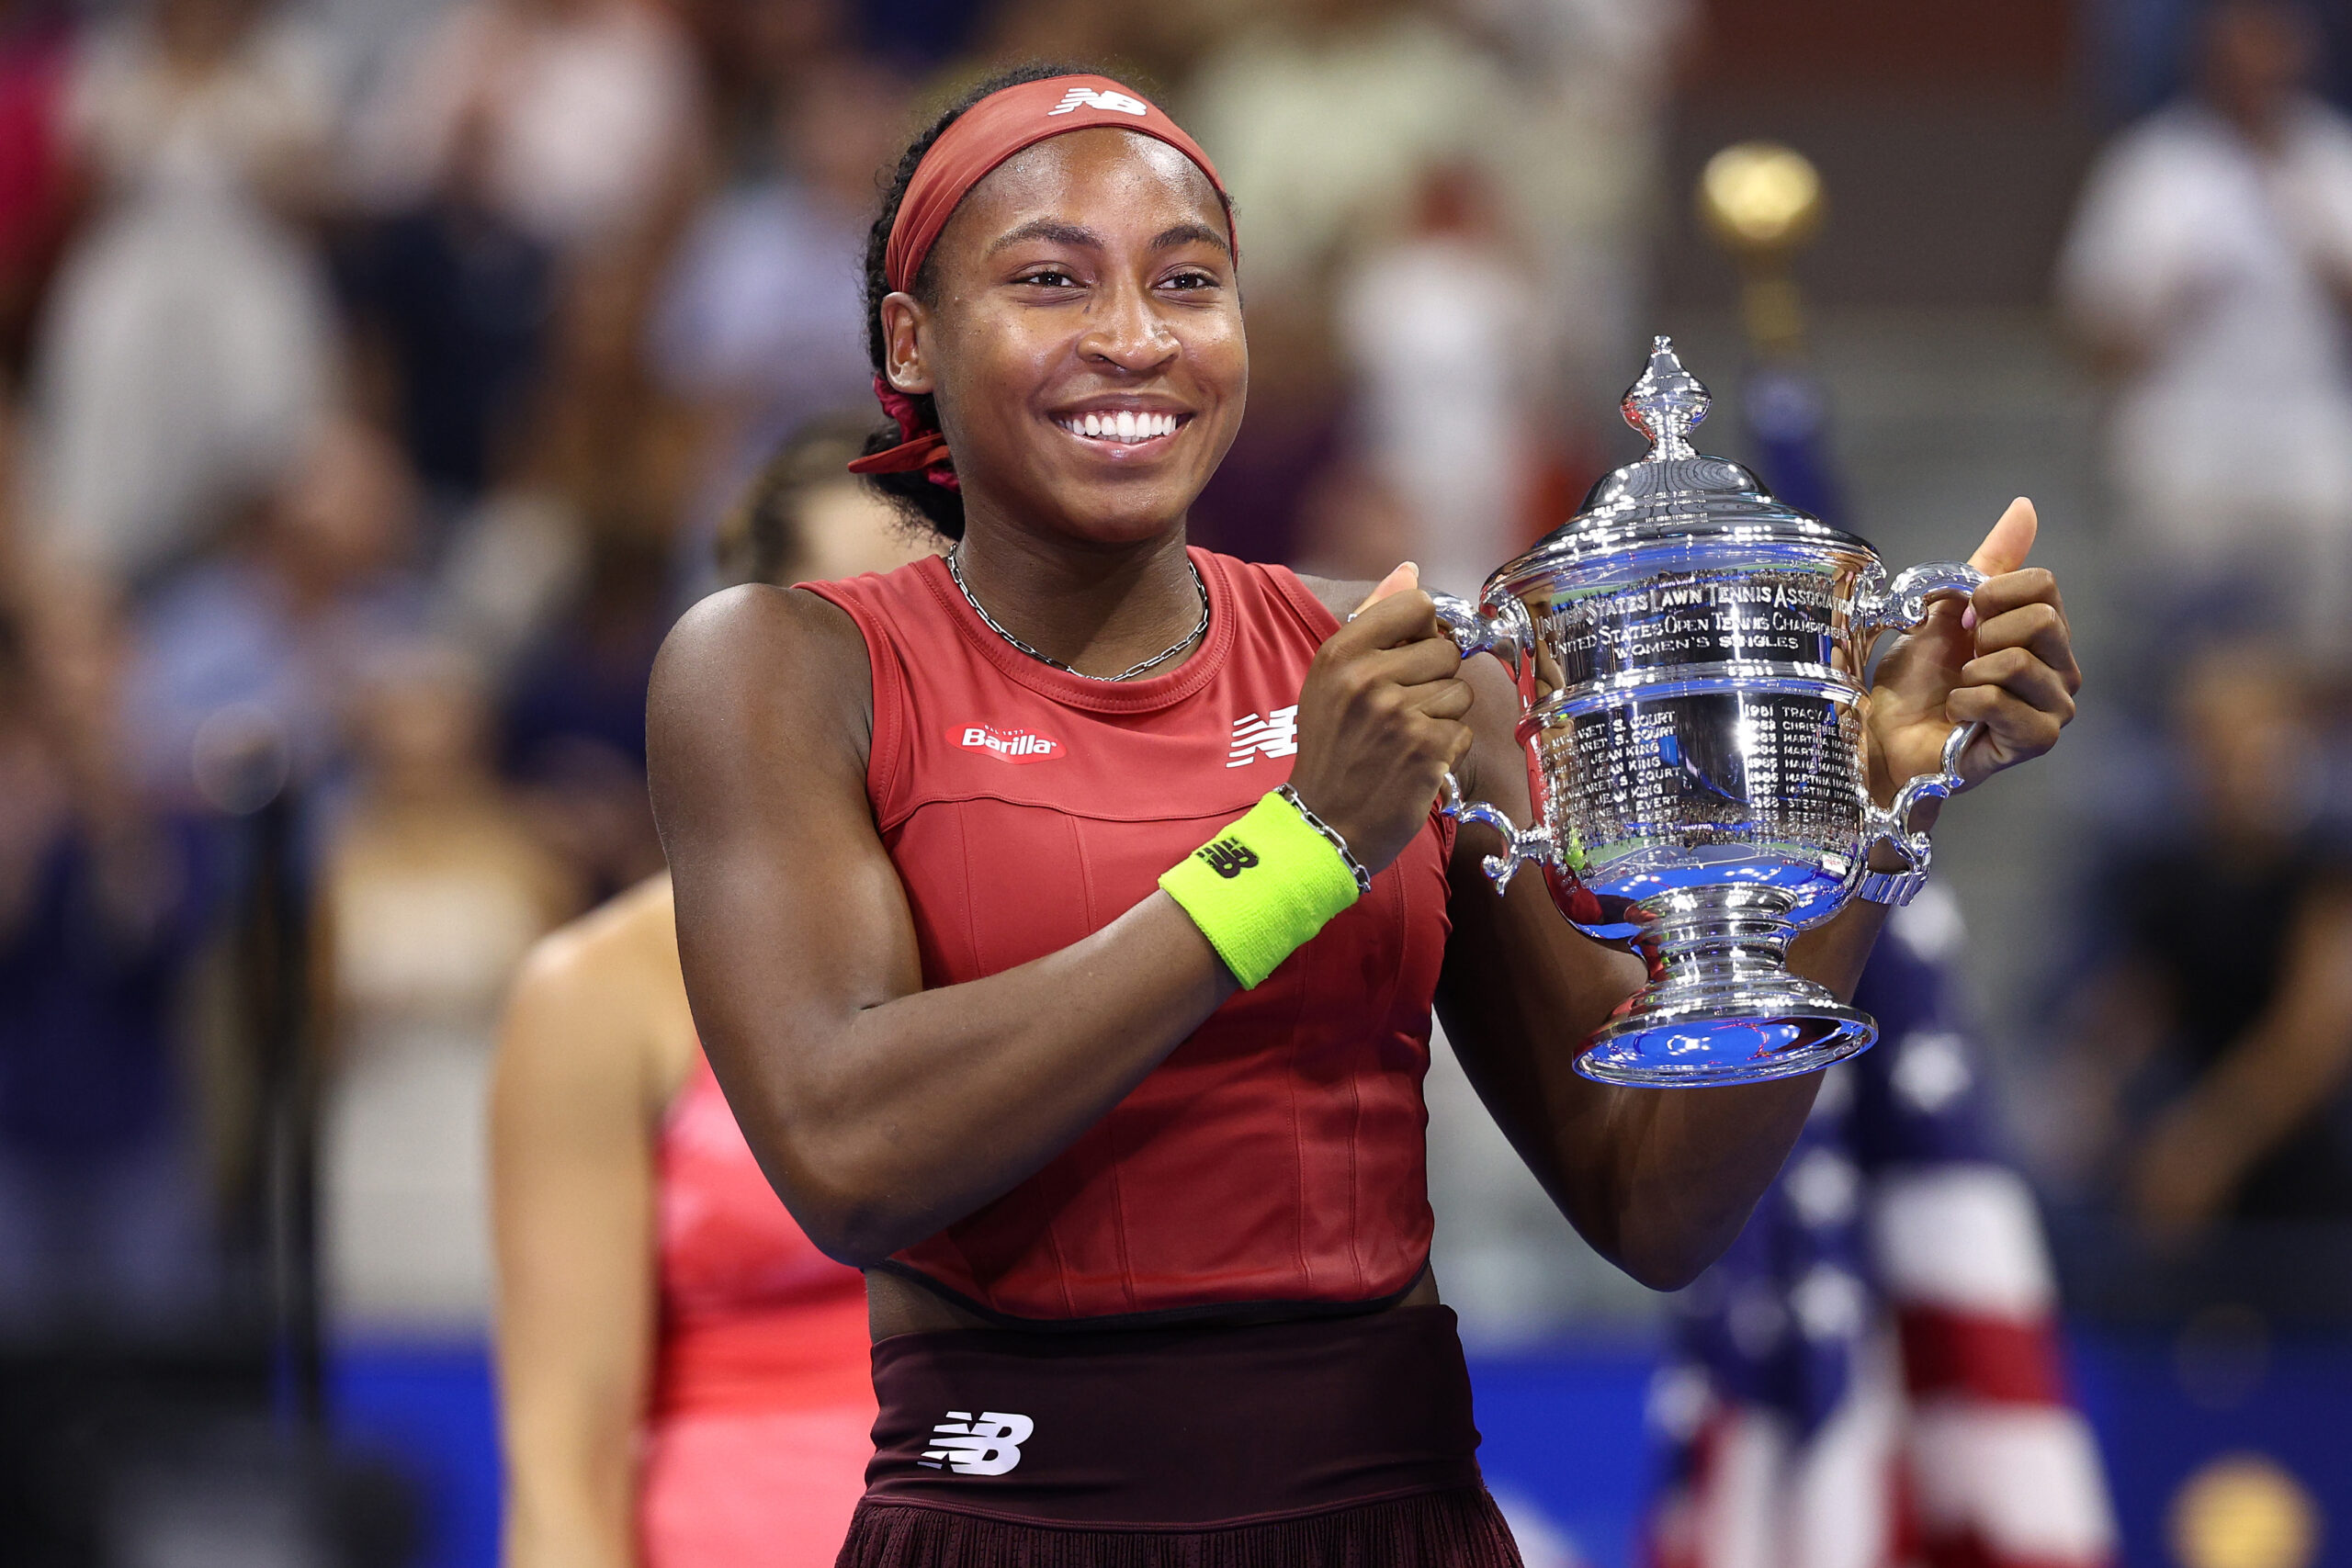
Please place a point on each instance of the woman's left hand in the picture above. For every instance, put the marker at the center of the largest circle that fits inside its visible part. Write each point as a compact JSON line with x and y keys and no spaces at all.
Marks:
{"x":2004,"y":658}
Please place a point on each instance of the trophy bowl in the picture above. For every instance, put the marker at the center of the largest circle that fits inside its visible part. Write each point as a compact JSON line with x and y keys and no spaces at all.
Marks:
{"x":1690,"y":656}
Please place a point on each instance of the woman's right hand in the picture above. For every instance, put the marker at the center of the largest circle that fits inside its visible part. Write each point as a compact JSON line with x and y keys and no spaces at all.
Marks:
{"x":1380,"y":720}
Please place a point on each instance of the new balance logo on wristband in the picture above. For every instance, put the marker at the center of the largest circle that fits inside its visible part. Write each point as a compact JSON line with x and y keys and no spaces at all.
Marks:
{"x":1276,"y":735}
{"x":1227,"y":857}
{"x":1007,"y":745}
{"x":1087,"y":97}
{"x":987,"y":1444}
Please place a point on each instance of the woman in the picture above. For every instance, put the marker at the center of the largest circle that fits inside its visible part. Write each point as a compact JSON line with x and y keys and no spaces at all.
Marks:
{"x":684,"y":1375}
{"x":1135,"y":1171}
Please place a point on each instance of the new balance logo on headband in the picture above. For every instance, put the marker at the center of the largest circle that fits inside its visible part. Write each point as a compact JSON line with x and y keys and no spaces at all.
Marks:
{"x":1087,"y":97}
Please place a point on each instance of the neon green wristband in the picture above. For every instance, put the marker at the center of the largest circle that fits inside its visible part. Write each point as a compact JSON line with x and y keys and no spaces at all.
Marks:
{"x":1263,"y":886}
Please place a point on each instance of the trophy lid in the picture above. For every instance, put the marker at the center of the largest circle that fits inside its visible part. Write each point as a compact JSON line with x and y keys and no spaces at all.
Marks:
{"x":1673,"y":494}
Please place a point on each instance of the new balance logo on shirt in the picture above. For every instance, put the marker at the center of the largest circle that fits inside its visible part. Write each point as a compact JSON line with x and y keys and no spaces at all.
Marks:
{"x":1087,"y":97}
{"x":987,"y":1444}
{"x":1227,"y":857}
{"x":1276,"y":735}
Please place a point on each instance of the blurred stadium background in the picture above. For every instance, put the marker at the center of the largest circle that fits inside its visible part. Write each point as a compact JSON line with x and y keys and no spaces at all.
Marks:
{"x":375,"y":374}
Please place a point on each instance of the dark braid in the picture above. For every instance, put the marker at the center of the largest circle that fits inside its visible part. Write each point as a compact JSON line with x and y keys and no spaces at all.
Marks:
{"x":930,"y":504}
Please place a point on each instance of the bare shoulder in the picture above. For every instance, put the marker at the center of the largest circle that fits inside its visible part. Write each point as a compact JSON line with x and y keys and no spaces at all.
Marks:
{"x":746,"y":637}
{"x":1337,"y":596}
{"x":756,"y":689}
{"x":600,"y":1005}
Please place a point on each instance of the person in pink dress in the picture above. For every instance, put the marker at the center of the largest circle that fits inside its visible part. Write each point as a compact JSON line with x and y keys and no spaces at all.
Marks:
{"x":683,"y":1376}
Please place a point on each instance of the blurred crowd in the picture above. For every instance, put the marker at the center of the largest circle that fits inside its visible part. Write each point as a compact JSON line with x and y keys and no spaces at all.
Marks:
{"x":375,"y":378}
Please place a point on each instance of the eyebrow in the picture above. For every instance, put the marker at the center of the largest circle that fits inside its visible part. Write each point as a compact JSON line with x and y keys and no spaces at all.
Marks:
{"x":1060,"y":233}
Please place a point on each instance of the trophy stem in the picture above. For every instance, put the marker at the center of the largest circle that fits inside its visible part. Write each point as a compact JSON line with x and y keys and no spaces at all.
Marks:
{"x":1727,"y":1009}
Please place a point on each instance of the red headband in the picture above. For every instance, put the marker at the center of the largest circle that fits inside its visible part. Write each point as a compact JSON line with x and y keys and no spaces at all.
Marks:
{"x":978,"y":139}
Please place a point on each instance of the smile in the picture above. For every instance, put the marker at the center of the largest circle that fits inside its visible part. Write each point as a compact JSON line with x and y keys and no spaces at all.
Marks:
{"x":1124,"y":427}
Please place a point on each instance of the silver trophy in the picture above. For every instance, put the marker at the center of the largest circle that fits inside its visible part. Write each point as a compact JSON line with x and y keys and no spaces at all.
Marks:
{"x":1689,"y":655}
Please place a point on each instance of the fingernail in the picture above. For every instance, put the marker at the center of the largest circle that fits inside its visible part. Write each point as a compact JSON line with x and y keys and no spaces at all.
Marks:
{"x":1968,"y":619}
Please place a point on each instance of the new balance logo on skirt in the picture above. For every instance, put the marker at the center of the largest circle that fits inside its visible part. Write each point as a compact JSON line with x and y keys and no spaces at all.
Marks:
{"x":1087,"y":97}
{"x":989,"y":1444}
{"x":1276,"y":735}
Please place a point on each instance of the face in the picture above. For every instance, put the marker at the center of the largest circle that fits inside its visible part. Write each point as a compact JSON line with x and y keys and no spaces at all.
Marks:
{"x":1085,"y":346}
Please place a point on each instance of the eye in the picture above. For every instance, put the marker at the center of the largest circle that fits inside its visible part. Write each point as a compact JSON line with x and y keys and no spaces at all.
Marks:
{"x":1191,"y":278}
{"x":1048,"y":277}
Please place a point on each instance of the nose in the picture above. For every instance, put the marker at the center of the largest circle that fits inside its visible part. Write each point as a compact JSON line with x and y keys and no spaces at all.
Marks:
{"x":1127,"y":333}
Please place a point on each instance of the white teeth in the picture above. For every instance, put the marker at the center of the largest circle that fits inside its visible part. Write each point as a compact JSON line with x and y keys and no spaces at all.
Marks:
{"x":1124,"y":426}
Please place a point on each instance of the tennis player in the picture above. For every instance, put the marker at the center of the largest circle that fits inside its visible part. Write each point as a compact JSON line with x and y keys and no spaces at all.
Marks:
{"x":1063,"y":917}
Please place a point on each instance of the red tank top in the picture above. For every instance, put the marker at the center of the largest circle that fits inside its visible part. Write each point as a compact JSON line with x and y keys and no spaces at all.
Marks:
{"x":752,"y":1316}
{"x":1277,"y":1154}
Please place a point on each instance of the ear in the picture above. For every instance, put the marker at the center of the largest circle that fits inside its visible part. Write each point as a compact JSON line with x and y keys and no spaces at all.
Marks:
{"x":903,"y":320}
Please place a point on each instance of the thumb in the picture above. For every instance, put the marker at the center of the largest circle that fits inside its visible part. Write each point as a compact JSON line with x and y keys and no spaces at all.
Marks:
{"x":1404,"y":580}
{"x":2011,"y":540}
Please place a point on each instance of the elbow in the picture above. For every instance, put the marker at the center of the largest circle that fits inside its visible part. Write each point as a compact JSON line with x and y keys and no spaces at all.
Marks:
{"x":1667,"y":1270}
{"x":848,"y":1214}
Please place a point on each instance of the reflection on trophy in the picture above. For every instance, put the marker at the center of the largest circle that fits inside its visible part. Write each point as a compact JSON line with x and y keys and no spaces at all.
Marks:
{"x":1688,"y":653}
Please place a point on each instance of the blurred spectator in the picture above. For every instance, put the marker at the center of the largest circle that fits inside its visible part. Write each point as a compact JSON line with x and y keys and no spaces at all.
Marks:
{"x":265,"y":641}
{"x":1436,"y":327}
{"x":452,"y":299}
{"x":758,"y":320}
{"x":101,"y":907}
{"x":2209,"y":269}
{"x":35,"y":194}
{"x":2213,"y":1041}
{"x":433,"y":888}
{"x":581,"y":112}
{"x":804,"y":518}
{"x":188,"y":348}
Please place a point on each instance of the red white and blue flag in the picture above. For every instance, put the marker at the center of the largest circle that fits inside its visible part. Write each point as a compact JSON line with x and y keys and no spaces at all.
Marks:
{"x":1871,"y":1377}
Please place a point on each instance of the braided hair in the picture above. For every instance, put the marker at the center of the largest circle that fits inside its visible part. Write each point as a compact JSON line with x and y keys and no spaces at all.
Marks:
{"x":927,"y":505}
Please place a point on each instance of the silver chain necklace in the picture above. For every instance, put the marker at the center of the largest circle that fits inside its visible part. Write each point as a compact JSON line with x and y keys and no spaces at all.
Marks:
{"x":1131,"y":671}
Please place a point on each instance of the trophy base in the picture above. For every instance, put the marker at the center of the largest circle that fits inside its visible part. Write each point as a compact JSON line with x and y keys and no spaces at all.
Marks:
{"x":1723,"y":1041}
{"x":1727,"y":1010}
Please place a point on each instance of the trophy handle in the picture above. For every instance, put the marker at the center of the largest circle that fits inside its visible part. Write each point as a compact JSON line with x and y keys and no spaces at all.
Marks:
{"x":1520,"y":845}
{"x":1882,"y":607}
{"x":1507,"y":633}
{"x":1898,"y":606}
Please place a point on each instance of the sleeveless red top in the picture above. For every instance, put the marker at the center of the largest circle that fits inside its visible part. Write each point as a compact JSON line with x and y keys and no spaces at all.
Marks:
{"x":752,"y":1316}
{"x":1277,"y":1154}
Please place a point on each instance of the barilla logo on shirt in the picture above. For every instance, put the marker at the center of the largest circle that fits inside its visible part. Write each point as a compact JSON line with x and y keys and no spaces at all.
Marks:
{"x":1007,"y":745}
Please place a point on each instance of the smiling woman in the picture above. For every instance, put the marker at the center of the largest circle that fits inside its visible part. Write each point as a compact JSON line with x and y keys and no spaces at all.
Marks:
{"x":1063,"y":918}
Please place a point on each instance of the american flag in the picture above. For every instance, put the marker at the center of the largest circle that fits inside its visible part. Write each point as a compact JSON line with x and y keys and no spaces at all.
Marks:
{"x":1871,"y":1377}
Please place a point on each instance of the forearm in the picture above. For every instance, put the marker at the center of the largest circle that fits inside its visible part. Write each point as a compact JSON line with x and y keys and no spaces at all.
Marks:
{"x":1835,"y":952}
{"x":912,"y":1113}
{"x":587,"y":1520}
{"x":1687,"y":1166}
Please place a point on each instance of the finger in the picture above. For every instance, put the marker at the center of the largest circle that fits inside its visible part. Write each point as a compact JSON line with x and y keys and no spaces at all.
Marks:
{"x":1413,"y":663}
{"x":2028,"y":585}
{"x":2011,"y":540}
{"x":1405,"y":617}
{"x":2038,"y":630}
{"x":1404,"y":575}
{"x":1440,"y":699}
{"x":2020,"y":674}
{"x":2015,"y":729}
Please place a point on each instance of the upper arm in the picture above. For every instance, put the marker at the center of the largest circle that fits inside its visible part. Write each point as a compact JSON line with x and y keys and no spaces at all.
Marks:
{"x":572,"y":1199}
{"x":1521,"y":988}
{"x":791,"y":917}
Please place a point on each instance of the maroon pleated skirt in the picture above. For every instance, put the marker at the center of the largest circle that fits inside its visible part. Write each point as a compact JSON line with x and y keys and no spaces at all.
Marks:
{"x":1343,"y":1442}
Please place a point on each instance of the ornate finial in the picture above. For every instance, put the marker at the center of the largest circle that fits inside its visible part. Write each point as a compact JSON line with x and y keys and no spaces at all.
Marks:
{"x":1666,"y":404}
